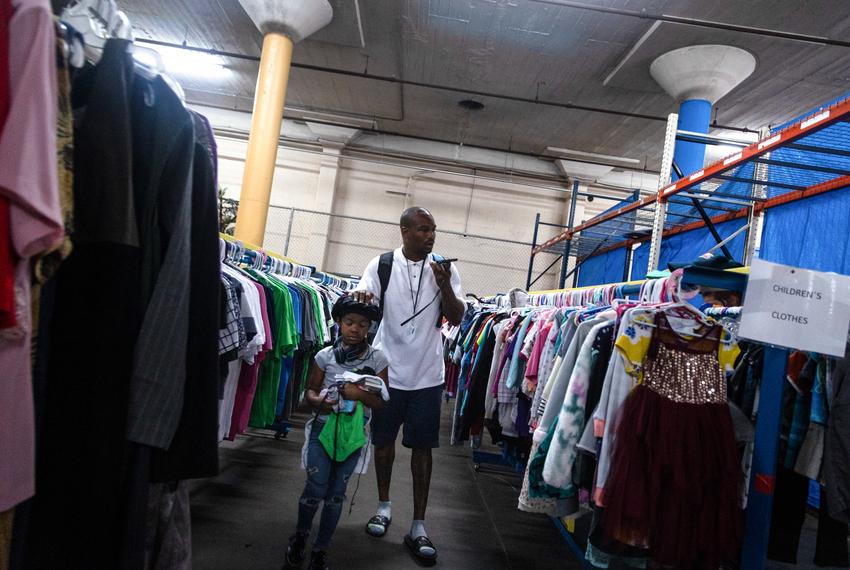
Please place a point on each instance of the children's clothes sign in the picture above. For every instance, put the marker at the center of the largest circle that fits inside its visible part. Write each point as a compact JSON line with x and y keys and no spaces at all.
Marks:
{"x":797,"y":308}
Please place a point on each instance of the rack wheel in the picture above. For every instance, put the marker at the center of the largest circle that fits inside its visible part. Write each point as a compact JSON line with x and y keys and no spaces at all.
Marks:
{"x":476,"y":467}
{"x":281,"y":435}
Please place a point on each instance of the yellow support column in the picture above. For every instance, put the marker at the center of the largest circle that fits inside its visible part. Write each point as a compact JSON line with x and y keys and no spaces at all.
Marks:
{"x":260,"y":161}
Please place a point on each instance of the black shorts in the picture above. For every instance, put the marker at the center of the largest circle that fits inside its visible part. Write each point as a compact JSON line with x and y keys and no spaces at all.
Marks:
{"x":418,"y":410}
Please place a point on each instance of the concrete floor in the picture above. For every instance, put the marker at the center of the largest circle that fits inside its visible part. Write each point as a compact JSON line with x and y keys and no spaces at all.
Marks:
{"x":242,"y":518}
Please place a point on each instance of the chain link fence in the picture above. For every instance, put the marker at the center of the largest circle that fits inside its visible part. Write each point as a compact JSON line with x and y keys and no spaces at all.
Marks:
{"x":344,"y":245}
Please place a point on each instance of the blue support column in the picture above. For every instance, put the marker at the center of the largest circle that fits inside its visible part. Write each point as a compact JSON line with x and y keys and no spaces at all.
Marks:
{"x":762,"y":480}
{"x":694,"y":116}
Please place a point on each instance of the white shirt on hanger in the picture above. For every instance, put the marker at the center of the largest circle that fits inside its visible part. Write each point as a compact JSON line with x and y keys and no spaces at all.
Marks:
{"x":252,"y":309}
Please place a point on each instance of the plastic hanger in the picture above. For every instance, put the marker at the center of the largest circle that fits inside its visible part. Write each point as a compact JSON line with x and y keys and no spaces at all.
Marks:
{"x":97,"y":21}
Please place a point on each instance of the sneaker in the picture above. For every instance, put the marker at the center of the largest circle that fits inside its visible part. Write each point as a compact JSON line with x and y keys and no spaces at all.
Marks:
{"x":318,"y":560}
{"x":295,"y":552}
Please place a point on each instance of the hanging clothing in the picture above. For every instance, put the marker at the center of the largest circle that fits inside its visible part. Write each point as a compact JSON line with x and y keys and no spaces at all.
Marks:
{"x":7,"y":257}
{"x":274,"y":325}
{"x":133,"y":305}
{"x":836,"y":467}
{"x":194,"y":448}
{"x":561,"y":457}
{"x":674,"y":486}
{"x":29,"y":188}
{"x":162,"y":184}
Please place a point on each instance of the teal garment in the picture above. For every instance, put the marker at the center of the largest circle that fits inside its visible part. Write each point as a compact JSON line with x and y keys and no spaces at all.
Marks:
{"x":820,"y":410}
{"x":799,"y":427}
{"x":537,"y":487}
{"x":481,"y":339}
{"x":344,"y":434}
{"x":517,"y":369}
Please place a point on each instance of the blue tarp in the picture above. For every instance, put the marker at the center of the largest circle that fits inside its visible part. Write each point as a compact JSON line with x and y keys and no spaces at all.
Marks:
{"x":608,"y":267}
{"x":811,"y":233}
{"x":690,"y":245}
{"x":601,"y":269}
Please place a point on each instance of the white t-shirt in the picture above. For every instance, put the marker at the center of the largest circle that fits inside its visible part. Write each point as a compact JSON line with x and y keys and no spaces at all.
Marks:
{"x":415,"y":350}
{"x":250,"y":308}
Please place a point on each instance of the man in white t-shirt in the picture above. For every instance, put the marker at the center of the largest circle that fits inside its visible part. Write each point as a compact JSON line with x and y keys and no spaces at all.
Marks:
{"x":419,"y":292}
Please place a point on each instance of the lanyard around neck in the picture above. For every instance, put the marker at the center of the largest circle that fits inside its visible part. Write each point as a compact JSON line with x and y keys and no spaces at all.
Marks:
{"x":415,"y":300}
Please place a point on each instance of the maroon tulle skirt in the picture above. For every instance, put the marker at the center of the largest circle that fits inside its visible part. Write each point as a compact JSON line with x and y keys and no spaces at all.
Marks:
{"x":675,"y":482}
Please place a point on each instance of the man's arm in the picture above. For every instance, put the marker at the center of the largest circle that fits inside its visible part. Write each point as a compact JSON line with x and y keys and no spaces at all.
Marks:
{"x":369,"y":287}
{"x":448,"y":281}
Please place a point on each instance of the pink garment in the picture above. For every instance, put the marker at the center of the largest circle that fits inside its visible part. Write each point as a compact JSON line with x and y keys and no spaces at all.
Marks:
{"x":248,"y":377}
{"x":534,"y":362}
{"x":28,"y":163}
{"x":508,"y":334}
{"x":28,"y":178}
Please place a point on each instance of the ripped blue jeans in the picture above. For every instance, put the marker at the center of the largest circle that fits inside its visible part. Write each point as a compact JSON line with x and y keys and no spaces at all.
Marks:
{"x":326,"y":481}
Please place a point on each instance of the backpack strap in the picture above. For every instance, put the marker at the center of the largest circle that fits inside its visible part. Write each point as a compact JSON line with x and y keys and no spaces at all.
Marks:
{"x":385,"y":271}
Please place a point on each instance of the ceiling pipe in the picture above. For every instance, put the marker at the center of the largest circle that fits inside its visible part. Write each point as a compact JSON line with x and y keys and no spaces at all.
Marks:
{"x":646,"y":15}
{"x":375,"y":131}
{"x":380,"y":159}
{"x":362,"y":154}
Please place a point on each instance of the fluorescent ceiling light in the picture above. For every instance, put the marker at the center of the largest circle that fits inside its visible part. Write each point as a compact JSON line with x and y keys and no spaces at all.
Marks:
{"x":184,"y":62}
{"x":716,"y":152}
{"x":321,"y":116}
{"x":582,"y":154}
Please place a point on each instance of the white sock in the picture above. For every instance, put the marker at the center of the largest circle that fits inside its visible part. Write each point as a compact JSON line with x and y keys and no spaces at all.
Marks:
{"x":385,"y":509}
{"x":417,"y":529}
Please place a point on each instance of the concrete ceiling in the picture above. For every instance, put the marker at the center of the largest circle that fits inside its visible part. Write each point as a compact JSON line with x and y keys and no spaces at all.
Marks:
{"x":517,"y":48}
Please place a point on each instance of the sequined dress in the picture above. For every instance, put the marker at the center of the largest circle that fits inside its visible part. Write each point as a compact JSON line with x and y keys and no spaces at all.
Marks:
{"x":674,"y":487}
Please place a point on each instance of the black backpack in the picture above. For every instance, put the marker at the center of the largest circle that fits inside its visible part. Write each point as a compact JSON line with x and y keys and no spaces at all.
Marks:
{"x":385,"y":271}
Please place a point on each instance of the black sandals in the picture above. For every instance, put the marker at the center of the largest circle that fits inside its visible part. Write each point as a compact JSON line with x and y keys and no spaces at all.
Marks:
{"x":378,"y":526}
{"x":422,"y":548}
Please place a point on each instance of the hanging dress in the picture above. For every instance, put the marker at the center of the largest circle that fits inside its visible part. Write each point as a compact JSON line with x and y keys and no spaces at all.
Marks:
{"x":674,"y":485}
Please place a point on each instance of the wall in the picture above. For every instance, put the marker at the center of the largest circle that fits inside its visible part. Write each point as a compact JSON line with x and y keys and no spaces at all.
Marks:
{"x":504,"y":210}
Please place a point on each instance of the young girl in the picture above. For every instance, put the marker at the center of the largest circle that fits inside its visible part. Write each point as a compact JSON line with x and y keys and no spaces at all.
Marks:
{"x":335,"y":440}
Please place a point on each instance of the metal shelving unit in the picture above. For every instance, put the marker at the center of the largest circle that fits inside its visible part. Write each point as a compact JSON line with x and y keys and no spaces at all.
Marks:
{"x":772,"y":171}
{"x":808,"y":158}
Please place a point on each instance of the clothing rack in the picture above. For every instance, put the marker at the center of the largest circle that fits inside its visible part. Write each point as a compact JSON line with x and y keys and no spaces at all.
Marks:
{"x":596,"y":294}
{"x":580,"y":296}
{"x":767,"y":428}
{"x":507,"y":459}
{"x":347,"y":283}
{"x":264,"y":259}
